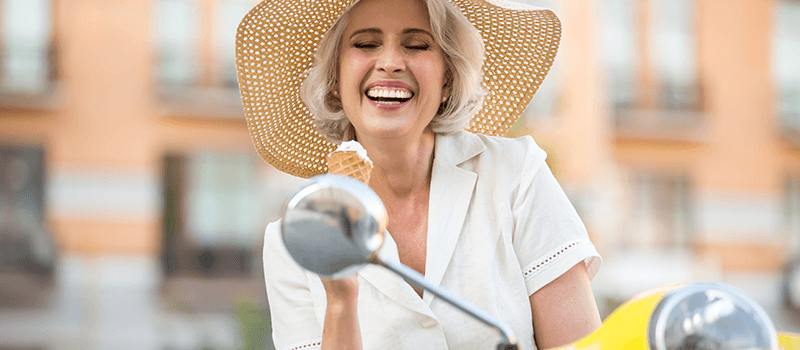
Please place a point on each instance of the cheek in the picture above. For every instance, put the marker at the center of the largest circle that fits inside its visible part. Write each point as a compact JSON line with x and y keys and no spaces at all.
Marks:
{"x":433,"y":66}
{"x":352,"y":69}
{"x":430,"y":73}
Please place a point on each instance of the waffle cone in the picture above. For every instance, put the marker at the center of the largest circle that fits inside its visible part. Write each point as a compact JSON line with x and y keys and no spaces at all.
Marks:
{"x":349,"y":163}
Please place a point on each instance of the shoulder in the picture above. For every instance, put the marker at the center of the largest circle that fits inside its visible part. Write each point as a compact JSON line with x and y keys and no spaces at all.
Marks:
{"x":491,"y":154}
{"x":467,"y":145}
{"x":520,"y":146}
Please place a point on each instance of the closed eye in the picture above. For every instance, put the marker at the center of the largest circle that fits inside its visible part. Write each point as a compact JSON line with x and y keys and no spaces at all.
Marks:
{"x":417,"y":41}
{"x":418,"y":47}
{"x":366,"y":45}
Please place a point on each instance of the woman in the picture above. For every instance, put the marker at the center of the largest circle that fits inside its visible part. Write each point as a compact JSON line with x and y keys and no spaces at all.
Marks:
{"x":482,"y":216}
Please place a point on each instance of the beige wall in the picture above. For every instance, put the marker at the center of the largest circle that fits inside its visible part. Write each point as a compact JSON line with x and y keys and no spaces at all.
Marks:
{"x":111,"y":127}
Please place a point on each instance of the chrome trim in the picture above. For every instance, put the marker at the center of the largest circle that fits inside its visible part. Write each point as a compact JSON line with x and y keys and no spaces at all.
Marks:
{"x":717,"y":303}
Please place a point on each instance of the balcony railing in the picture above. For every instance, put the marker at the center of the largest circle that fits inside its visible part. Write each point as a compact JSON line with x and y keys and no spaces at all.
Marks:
{"x":667,"y":111}
{"x":29,"y":78}
{"x":185,"y":92}
{"x":680,"y":97}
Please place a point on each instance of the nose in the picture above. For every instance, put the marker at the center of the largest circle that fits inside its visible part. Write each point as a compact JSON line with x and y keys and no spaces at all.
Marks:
{"x":390,"y":61}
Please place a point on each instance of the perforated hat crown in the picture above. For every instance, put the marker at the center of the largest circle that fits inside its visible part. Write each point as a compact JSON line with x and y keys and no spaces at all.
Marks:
{"x":275,"y":45}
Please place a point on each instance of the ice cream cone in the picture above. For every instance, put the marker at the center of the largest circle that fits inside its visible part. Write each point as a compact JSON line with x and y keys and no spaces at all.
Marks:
{"x":347,"y":161}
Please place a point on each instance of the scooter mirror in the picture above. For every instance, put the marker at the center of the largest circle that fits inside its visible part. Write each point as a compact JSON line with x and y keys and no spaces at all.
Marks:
{"x":334,"y":226}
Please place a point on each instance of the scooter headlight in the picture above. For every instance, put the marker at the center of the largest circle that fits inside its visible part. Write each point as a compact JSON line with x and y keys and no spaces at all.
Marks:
{"x":707,"y":316}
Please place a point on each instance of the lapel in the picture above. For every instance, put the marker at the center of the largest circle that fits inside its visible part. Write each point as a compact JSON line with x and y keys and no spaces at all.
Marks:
{"x":391,"y":285}
{"x":451,"y":193}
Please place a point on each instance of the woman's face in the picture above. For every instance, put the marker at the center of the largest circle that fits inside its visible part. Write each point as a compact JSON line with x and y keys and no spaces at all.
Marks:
{"x":391,"y":71}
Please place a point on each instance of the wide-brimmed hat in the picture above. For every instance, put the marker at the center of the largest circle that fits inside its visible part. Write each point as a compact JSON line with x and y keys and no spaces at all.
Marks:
{"x":275,"y":46}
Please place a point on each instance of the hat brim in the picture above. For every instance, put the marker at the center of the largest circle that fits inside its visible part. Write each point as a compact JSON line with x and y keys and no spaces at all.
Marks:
{"x":275,"y":45}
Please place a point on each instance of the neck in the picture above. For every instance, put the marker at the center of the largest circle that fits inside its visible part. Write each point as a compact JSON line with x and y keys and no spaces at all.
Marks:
{"x":401,"y":167}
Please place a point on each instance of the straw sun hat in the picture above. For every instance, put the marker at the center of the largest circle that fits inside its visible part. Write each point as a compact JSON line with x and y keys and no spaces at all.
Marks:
{"x":275,"y":44}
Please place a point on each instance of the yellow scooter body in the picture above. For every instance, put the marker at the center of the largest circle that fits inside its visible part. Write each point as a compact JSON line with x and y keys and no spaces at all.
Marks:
{"x":628,"y":327}
{"x":789,"y":341}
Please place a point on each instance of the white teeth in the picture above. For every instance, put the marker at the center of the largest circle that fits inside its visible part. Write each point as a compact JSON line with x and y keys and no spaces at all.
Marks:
{"x":382,"y":92}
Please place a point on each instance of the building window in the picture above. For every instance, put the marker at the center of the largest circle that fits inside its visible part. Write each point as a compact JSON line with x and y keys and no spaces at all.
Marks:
{"x":28,"y":65}
{"x":792,"y":214}
{"x":660,"y":215}
{"x":215,"y":209}
{"x":547,"y":102}
{"x":196,"y":62}
{"x":27,"y":247}
{"x":786,"y":71}
{"x":673,"y":52}
{"x":228,"y":15}
{"x":177,"y":28}
{"x":619,"y":31}
{"x":650,"y":53}
{"x":213,"y":216}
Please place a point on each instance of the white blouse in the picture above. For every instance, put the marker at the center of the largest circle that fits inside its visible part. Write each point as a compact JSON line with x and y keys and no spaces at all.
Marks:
{"x":499,"y":229}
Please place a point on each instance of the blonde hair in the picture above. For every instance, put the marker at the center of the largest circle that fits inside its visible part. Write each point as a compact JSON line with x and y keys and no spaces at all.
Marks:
{"x":463,"y":59}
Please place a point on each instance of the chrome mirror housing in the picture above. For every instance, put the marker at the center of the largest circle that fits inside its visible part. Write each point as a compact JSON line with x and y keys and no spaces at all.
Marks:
{"x":709,"y":316}
{"x":334,"y":226}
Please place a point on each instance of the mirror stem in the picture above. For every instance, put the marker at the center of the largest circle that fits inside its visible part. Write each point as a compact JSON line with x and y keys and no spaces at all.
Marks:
{"x":417,"y":279}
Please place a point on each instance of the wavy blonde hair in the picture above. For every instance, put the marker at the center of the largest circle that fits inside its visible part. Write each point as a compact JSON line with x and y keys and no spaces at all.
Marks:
{"x":463,"y":59}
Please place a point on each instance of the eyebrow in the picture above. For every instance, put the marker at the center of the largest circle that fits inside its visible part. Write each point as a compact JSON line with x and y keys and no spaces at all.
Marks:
{"x":378,"y":31}
{"x":417,"y":31}
{"x":366,"y":31}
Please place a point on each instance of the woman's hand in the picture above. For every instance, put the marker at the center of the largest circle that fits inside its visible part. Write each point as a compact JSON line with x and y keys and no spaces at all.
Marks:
{"x":341,"y":329}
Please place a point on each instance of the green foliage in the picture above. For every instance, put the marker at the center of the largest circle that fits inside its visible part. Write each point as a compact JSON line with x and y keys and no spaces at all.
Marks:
{"x":255,"y":325}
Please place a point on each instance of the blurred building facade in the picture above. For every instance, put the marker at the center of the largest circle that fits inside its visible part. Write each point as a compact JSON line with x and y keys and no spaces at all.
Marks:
{"x":673,"y":130}
{"x":674,"y":126}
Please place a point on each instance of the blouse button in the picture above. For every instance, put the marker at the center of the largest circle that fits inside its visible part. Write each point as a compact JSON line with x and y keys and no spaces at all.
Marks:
{"x":429,"y":323}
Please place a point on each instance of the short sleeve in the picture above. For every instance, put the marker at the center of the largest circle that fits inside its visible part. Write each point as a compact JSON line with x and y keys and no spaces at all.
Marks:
{"x":549,"y":238}
{"x":294,"y":323}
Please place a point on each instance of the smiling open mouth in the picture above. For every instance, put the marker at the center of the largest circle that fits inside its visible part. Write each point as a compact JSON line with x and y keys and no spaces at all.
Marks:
{"x":389,"y":95}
